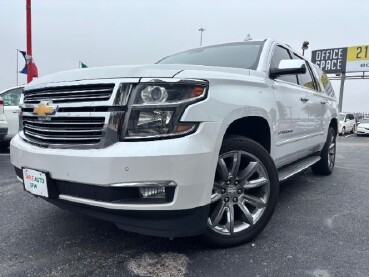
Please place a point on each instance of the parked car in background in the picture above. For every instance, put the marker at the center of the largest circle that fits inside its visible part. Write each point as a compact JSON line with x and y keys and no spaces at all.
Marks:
{"x":363,"y":127}
{"x":3,"y":124}
{"x":11,"y":98}
{"x":347,"y":123}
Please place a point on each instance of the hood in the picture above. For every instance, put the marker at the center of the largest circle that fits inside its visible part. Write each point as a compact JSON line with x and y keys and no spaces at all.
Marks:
{"x":364,"y":125}
{"x":144,"y":71}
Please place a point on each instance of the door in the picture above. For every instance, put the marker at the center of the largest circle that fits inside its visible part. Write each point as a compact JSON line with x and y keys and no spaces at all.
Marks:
{"x":292,"y":125}
{"x":351,"y":121}
{"x":316,"y":102}
{"x":11,"y":109}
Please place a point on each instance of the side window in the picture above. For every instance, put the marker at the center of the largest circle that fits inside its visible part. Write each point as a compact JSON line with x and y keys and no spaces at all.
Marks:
{"x":279,"y":54}
{"x":12,"y":97}
{"x":306,"y":79}
{"x":326,"y":84}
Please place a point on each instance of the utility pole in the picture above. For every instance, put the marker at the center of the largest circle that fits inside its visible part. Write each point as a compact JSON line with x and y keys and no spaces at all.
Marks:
{"x":305,"y":46}
{"x":29,"y":41}
{"x":201,"y":31}
{"x":342,"y":87}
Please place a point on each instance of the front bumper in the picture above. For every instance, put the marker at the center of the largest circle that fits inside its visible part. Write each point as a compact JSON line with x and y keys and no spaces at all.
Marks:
{"x":362,"y":131}
{"x":189,"y":162}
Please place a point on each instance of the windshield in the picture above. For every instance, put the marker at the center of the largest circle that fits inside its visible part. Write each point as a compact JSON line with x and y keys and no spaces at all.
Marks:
{"x":238,"y":55}
{"x":341,"y":116}
{"x":365,"y":120}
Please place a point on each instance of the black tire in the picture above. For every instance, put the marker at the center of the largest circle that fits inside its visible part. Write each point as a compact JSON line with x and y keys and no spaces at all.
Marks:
{"x":239,"y":143}
{"x":325,"y":165}
{"x":4,"y":145}
{"x":352,"y":130}
{"x":343,"y":131}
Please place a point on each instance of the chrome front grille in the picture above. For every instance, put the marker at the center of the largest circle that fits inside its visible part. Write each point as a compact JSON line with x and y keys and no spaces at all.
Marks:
{"x":69,"y":94}
{"x":63,"y":130}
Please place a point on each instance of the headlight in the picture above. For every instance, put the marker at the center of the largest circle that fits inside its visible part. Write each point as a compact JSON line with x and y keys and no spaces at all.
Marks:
{"x":156,"y":109}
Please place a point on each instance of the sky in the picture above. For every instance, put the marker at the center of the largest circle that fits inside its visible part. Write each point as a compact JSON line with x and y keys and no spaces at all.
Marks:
{"x":120,"y":32}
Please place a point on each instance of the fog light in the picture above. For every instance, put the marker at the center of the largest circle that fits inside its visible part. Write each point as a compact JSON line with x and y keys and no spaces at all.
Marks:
{"x":152,"y":192}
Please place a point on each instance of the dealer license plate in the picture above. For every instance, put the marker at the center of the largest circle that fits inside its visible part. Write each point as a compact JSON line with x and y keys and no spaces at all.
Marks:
{"x":35,"y":182}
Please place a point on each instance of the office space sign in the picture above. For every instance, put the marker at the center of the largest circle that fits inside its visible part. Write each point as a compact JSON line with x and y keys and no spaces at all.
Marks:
{"x":330,"y":60}
{"x":341,"y":60}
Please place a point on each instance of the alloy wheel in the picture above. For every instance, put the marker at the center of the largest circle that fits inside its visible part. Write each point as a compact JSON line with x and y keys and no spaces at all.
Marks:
{"x":332,"y":152}
{"x":240,"y":193}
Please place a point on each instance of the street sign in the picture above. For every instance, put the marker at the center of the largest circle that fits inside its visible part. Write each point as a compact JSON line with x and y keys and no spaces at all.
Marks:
{"x":342,"y":60}
{"x":357,"y":58}
{"x":330,"y":60}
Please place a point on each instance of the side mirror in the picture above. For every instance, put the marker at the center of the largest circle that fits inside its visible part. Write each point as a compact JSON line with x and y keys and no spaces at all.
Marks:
{"x":288,"y":67}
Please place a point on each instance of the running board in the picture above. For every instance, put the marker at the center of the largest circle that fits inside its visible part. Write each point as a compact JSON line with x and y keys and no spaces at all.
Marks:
{"x":291,"y":170}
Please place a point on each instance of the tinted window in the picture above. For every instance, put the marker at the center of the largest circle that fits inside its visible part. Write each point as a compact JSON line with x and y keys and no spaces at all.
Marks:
{"x":239,"y":55}
{"x":306,"y":79}
{"x":12,"y":97}
{"x":325,"y":83}
{"x":279,"y":54}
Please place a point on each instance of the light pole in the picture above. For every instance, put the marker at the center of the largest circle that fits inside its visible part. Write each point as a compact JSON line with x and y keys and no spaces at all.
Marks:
{"x":305,"y":46}
{"x":201,"y":30}
{"x":29,"y":40}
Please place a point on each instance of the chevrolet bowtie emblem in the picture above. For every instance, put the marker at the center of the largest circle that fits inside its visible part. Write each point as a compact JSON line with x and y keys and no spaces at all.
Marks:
{"x":42,"y":110}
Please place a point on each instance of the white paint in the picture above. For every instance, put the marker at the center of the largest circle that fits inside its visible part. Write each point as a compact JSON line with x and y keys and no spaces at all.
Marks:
{"x":320,"y":273}
{"x":159,"y":265}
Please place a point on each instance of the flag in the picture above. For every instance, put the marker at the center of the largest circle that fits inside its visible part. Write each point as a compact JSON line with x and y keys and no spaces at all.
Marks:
{"x":82,"y":65}
{"x":33,"y":67}
{"x":24,"y":70}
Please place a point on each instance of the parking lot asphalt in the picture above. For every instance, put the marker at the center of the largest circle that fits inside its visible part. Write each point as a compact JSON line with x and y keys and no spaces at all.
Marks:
{"x":320,"y":228}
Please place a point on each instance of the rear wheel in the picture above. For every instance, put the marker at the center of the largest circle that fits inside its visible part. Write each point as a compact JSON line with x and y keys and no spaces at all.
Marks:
{"x":328,"y":155}
{"x":244,"y":195}
{"x":343,"y":131}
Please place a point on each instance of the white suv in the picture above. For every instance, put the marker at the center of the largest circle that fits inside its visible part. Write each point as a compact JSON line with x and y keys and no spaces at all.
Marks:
{"x":11,"y":98}
{"x":195,"y":144}
{"x":347,"y":123}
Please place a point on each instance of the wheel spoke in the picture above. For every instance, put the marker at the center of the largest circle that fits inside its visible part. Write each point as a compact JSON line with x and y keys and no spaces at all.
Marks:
{"x":222,"y":169}
{"x":230,"y":219}
{"x":254,"y":201}
{"x":332,"y":145}
{"x":246,"y":213}
{"x":217,"y":214}
{"x":255,"y":183}
{"x":215,"y":197}
{"x":219,"y":186}
{"x":235,"y":165}
{"x":248,"y":171}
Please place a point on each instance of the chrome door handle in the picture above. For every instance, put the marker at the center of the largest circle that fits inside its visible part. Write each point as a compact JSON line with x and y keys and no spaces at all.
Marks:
{"x":323,"y":102}
{"x":304,"y":99}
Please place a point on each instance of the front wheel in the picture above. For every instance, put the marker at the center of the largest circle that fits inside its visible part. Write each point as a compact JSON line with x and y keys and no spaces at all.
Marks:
{"x":245,"y":193}
{"x":343,"y":131}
